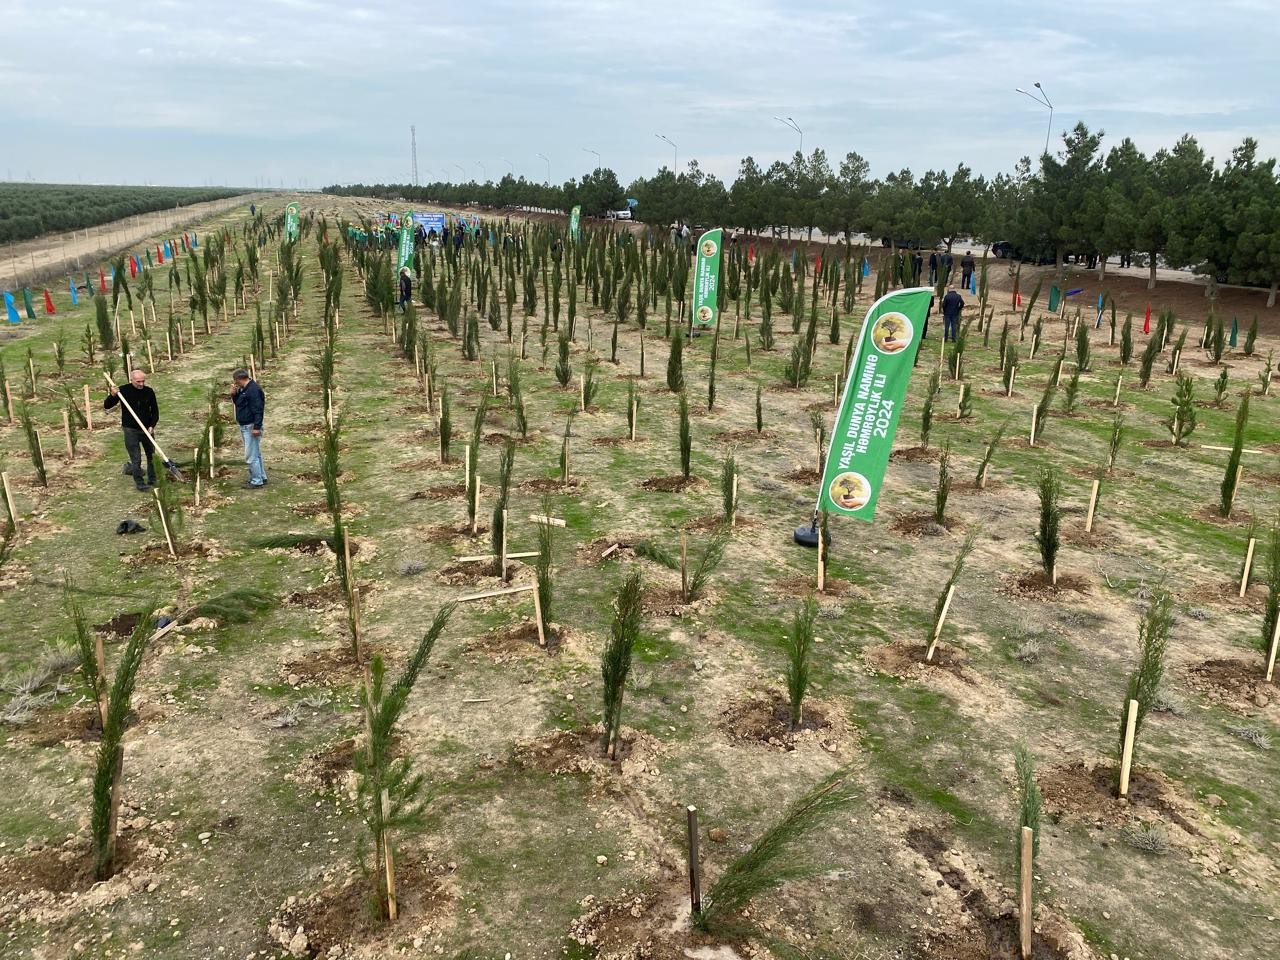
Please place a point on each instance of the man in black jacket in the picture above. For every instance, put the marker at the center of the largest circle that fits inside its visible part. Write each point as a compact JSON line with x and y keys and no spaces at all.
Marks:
{"x":143,"y":412}
{"x":250,"y":404}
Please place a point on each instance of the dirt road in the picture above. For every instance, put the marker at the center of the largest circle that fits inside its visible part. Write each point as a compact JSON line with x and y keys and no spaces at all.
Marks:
{"x":33,"y":261}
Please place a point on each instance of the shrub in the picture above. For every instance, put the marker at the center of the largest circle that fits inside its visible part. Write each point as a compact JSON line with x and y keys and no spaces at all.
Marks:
{"x":711,"y":559}
{"x":1050,"y":519}
{"x":944,"y":487}
{"x":1072,"y":392}
{"x":1113,"y":444}
{"x":615,"y":661}
{"x":564,"y":372}
{"x":926,"y":411}
{"x":1271,"y":610}
{"x":1229,"y":479}
{"x":1183,"y":422}
{"x":1082,"y":348}
{"x":727,"y":475}
{"x":1251,"y":338}
{"x":980,"y":480}
{"x":797,"y":645}
{"x":1126,"y":340}
{"x":506,"y":464}
{"x":1144,"y":682}
{"x":685,"y":438}
{"x":675,"y":364}
{"x":1147,"y":361}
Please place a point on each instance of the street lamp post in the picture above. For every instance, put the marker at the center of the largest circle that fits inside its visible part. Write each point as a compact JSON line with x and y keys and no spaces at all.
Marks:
{"x":599,"y":162}
{"x":1044,"y":101}
{"x":548,"y":163}
{"x":788,"y":122}
{"x":510,"y":166}
{"x":675,"y":154}
{"x":483,"y":172}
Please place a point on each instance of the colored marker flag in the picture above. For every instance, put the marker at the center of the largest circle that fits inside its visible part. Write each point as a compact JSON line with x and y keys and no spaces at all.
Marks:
{"x":865,"y":424}
{"x":26,"y":302}
{"x":195,"y":241}
{"x":1098,"y":325}
{"x":973,"y":284}
{"x":1146,"y":320}
{"x":1235,"y":329}
{"x":72,"y":284}
{"x":866,"y":267}
{"x":291,"y":221}
{"x":167,"y":251}
{"x":48,"y":304}
{"x":133,"y":268}
{"x":751,"y":253}
{"x":706,"y":278}
{"x":574,"y":216}
{"x":1055,"y":297}
{"x":405,"y":258}
{"x":11,"y":307}
{"x":102,"y":281}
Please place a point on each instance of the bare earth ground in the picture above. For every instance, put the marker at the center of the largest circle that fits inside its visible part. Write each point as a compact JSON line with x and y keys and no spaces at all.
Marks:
{"x":240,"y":820}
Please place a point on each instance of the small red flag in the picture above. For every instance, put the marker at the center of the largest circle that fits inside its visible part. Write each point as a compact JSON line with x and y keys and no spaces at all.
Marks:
{"x":48,"y":303}
{"x":1146,"y":321}
{"x":133,"y":267}
{"x":1017,"y":298}
{"x":817,"y":264}
{"x":159,"y":253}
{"x":102,"y":281}
{"x":751,"y":253}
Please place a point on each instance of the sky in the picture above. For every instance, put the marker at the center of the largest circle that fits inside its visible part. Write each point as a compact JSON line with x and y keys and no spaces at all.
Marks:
{"x":304,"y":93}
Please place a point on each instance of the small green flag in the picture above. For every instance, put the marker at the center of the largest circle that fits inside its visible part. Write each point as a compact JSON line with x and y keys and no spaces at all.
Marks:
{"x":865,"y":424}
{"x":1055,"y":297}
{"x":26,"y":302}
{"x":1235,"y":329}
{"x":706,"y":278}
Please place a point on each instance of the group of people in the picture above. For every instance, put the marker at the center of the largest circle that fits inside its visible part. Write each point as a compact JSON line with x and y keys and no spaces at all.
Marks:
{"x":141,"y":414}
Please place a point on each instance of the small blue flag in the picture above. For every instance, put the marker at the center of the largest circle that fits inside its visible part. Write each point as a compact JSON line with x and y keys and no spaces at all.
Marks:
{"x":168,"y":254}
{"x":195,"y":240}
{"x":793,"y":259}
{"x":14,"y":316}
{"x":72,"y":284}
{"x":866,"y":267}
{"x":973,"y":284}
{"x":1072,"y":293}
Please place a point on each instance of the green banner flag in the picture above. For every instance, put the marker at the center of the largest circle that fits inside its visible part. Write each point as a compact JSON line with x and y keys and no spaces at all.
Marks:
{"x":406,"y":242}
{"x":706,"y":278}
{"x":291,"y":221}
{"x":26,"y":302}
{"x":574,"y":216}
{"x":862,"y":435}
{"x":1055,"y":297}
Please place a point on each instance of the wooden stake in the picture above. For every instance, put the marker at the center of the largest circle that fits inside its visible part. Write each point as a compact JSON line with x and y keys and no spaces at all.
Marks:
{"x":509,"y":591}
{"x":168,"y":346}
{"x":1235,"y":489}
{"x":1126,"y":754}
{"x":8,"y":499}
{"x":253,"y":370}
{"x":1271,"y":656}
{"x":1035,"y":412}
{"x":633,"y":420}
{"x":1115,"y":400}
{"x":1013,"y":375}
{"x":982,"y":480}
{"x":609,"y":551}
{"x":31,"y":372}
{"x":495,"y":378}
{"x":695,"y":879}
{"x":564,"y":477}
{"x":43,"y":462}
{"x":66,"y":432}
{"x":582,"y":392}
{"x":475,"y":504}
{"x":822,"y":566}
{"x":549,"y":521}
{"x":1024,"y":903}
{"x":1093,"y":503}
{"x":164,"y":523}
{"x":502,"y":552}
{"x":211,"y":453}
{"x":8,"y":400}
{"x":197,"y":490}
{"x":393,"y":908}
{"x":1248,"y":563}
{"x":151,"y":363}
{"x":100,"y":658}
{"x":88,"y":409}
{"x":684,"y":568}
{"x":733,"y":515}
{"x":817,"y":439}
{"x":937,"y":627}
{"x":490,"y":557}
{"x":537,"y":618}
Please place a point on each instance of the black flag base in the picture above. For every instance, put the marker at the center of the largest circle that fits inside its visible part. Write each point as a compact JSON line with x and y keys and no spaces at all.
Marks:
{"x":807,"y":536}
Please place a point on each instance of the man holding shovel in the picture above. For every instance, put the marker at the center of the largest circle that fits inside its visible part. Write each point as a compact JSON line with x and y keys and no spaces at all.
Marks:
{"x":139,"y":417}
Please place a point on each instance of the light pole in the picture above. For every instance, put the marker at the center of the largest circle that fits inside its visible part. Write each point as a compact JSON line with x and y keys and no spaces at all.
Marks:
{"x":462,"y":170}
{"x":788,"y":122}
{"x":483,"y":172}
{"x":510,"y":165}
{"x":675,"y":154}
{"x":599,"y":162}
{"x":1043,"y":100}
{"x":548,"y":163}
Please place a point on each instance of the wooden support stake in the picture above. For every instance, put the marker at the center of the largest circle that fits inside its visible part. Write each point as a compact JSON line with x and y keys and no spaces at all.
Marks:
{"x":822,"y":566}
{"x":43,"y":462}
{"x":817,"y":440}
{"x":1013,"y":375}
{"x":1248,"y":564}
{"x":490,"y":557}
{"x":633,"y":420}
{"x":982,"y":480}
{"x":393,"y":907}
{"x":1126,"y":754}
{"x":168,"y":347}
{"x":495,"y":378}
{"x":8,"y":400}
{"x":66,"y":432}
{"x":684,"y":567}
{"x":8,"y":499}
{"x":695,"y":879}
{"x":564,"y":476}
{"x":100,"y":658}
{"x":164,"y":523}
{"x":151,"y":361}
{"x":537,"y":618}
{"x":509,"y":591}
{"x":1115,"y":400}
{"x":466,"y":465}
{"x":211,"y":453}
{"x":733,"y":514}
{"x":549,"y":521}
{"x":1271,"y":655}
{"x":88,"y":409}
{"x":31,"y":373}
{"x":1093,"y":503}
{"x":475,"y":504}
{"x":1235,"y":489}
{"x":610,"y":550}
{"x":253,"y":370}
{"x":1024,"y":901}
{"x":1035,"y":412}
{"x":197,"y":491}
{"x":937,"y":627}
{"x":582,"y":392}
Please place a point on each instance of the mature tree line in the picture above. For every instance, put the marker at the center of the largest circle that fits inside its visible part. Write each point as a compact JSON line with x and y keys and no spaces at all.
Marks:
{"x":30,"y":209}
{"x":1174,"y":207}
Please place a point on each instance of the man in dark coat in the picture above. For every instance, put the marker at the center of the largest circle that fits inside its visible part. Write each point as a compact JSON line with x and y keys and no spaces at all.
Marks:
{"x":250,"y":404}
{"x":140,"y":416}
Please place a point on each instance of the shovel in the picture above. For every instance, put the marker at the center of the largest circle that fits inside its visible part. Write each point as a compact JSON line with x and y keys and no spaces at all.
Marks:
{"x":169,"y":465}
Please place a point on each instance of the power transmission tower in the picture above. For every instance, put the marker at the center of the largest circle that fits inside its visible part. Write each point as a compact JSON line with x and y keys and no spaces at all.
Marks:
{"x":413,"y":152}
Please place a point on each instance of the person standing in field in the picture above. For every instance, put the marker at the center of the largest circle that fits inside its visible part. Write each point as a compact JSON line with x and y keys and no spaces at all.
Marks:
{"x":251,"y":404}
{"x":406,"y":287}
{"x":966,"y":269}
{"x":952,"y":304}
{"x":140,"y":416}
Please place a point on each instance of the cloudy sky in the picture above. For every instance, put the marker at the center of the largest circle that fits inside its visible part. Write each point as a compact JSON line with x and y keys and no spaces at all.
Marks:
{"x":311,"y":92}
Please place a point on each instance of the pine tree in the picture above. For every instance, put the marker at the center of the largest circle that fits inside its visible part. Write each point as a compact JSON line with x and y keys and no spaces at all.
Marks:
{"x":1144,"y":682}
{"x":675,"y":364}
{"x":615,"y":661}
{"x":1183,"y":422}
{"x":1231,"y":477}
